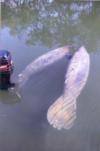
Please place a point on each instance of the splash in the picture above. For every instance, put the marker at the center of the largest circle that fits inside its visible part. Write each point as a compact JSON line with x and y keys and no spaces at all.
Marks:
{"x":62,"y":113}
{"x":42,"y":62}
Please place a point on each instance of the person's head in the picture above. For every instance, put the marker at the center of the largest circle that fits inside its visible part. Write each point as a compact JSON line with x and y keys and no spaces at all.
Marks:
{"x":5,"y":57}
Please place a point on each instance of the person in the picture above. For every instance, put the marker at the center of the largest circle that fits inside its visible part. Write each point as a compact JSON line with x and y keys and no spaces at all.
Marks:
{"x":6,"y":69}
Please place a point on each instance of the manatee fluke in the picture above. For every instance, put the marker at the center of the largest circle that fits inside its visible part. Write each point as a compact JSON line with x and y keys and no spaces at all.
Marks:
{"x":62,"y":113}
{"x":42,"y":62}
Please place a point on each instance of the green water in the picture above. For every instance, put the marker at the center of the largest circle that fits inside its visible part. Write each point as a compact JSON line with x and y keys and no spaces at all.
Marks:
{"x":30,"y":29}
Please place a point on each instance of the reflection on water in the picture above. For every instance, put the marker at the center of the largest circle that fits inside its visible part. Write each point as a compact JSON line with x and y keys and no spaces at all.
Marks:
{"x":42,"y":62}
{"x":62,"y":112}
{"x":50,"y":23}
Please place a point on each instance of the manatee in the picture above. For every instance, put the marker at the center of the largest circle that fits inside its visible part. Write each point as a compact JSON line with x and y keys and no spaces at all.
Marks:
{"x":62,"y":113}
{"x":41,"y":62}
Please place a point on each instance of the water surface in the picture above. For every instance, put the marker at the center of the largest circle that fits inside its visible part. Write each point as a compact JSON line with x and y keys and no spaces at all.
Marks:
{"x":28,"y":31}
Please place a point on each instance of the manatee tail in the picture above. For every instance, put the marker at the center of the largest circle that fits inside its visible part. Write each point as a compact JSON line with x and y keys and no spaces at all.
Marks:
{"x":62,"y":113}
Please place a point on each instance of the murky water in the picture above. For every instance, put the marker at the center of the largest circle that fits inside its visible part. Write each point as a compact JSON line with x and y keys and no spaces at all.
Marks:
{"x":28,"y":31}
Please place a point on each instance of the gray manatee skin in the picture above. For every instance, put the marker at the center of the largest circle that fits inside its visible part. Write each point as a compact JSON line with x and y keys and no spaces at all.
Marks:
{"x":42,"y":62}
{"x":62,"y":113}
{"x":77,"y":73}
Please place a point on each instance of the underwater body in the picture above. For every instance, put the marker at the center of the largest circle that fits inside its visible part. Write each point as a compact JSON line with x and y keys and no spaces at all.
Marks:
{"x":42,"y":62}
{"x":62,"y":113}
